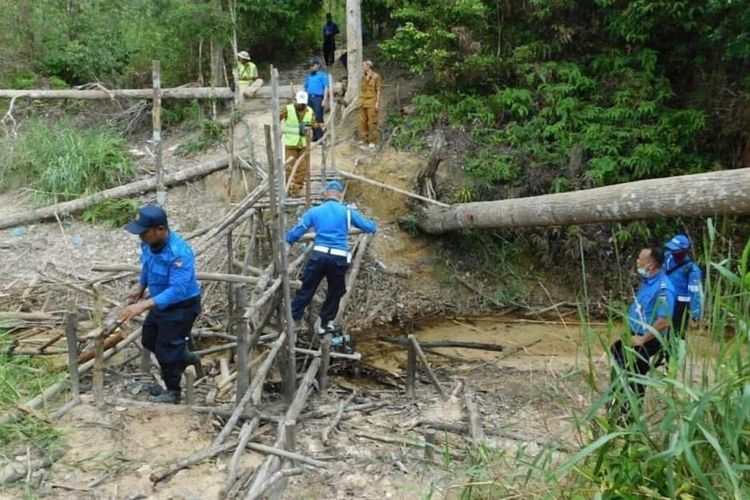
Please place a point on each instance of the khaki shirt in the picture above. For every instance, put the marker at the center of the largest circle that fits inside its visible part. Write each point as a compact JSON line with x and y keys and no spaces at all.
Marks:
{"x":371,"y":87}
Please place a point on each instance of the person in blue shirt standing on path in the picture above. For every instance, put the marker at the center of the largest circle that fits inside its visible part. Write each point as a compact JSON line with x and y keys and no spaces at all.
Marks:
{"x":168,"y":273}
{"x":330,"y":256}
{"x":687,"y":278}
{"x":316,"y":86}
{"x":649,"y":319}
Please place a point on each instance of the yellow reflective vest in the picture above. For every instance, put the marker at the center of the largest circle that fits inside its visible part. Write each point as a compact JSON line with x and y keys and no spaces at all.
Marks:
{"x":294,"y":131}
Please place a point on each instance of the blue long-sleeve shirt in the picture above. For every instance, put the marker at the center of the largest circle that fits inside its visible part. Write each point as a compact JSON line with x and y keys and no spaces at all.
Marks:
{"x":654,"y":299}
{"x":330,"y":223}
{"x":170,"y":273}
{"x":687,"y":279}
{"x":316,"y":84}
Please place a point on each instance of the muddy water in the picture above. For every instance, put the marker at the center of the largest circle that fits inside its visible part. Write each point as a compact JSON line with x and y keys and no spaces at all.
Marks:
{"x":526,"y":344}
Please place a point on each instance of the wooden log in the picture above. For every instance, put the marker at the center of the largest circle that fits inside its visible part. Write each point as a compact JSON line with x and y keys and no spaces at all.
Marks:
{"x":133,"y":188}
{"x":426,"y":365}
{"x":707,"y":194}
{"x":446,"y":344}
{"x":228,"y":278}
{"x":171,"y":93}
{"x":71,"y":334}
{"x":189,"y":461}
{"x":409,"y":194}
{"x":270,"y":450}
{"x":411,"y":371}
{"x":272,"y":463}
{"x":340,"y":355}
{"x":253,"y":392}
{"x":475,"y":419}
{"x":337,"y":418}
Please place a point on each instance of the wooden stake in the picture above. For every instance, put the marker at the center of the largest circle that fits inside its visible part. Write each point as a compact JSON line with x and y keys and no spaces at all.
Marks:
{"x":308,"y":152}
{"x":332,"y":129}
{"x":190,"y":385}
{"x":325,"y":361}
{"x":243,"y":343}
{"x":98,"y":373}
{"x":426,"y":365}
{"x":161,"y":191}
{"x":430,"y":446}
{"x":71,"y":334}
{"x":411,"y":371}
{"x":475,"y":419}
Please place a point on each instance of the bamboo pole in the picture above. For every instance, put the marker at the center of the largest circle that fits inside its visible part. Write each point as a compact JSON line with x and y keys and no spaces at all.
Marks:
{"x":161,"y":190}
{"x":411,"y":371}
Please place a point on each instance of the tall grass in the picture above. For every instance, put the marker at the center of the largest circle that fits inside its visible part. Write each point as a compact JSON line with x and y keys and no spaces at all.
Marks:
{"x":59,"y":162}
{"x":21,"y":378}
{"x":692,"y":438}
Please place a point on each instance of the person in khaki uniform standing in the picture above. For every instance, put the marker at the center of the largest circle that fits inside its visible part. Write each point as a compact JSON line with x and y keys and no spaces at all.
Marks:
{"x":369,"y":101}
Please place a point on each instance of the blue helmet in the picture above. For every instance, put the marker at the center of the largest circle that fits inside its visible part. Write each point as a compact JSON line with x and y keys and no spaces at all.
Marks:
{"x":679,"y":242}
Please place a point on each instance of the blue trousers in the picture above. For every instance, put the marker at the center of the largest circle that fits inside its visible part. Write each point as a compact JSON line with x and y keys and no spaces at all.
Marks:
{"x":166,"y":334}
{"x":316,"y":103}
{"x":333,"y":269}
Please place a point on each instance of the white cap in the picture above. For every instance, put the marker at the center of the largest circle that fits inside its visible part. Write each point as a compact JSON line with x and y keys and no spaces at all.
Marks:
{"x":301,"y":97}
{"x":244,"y":55}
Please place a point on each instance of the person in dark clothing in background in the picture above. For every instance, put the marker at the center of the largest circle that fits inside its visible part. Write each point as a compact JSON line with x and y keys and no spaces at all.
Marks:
{"x":330,"y":30}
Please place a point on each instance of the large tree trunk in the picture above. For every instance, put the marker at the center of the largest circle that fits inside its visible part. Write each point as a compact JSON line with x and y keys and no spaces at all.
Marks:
{"x":142,"y":186}
{"x":353,"y":50}
{"x":217,"y":64}
{"x":723,"y":192}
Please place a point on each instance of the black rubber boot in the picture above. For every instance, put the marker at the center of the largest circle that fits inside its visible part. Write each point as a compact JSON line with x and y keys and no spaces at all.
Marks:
{"x":167,"y":397}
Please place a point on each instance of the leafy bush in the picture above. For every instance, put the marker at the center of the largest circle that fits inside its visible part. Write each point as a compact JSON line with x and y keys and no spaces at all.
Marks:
{"x":112,"y":213}
{"x":60,"y":162}
{"x":211,"y":134}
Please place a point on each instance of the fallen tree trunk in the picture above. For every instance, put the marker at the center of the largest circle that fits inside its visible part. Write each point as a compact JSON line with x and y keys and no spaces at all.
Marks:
{"x":142,"y":186}
{"x":722,"y":192}
{"x":445,"y":343}
{"x":288,"y":91}
{"x":173,"y":93}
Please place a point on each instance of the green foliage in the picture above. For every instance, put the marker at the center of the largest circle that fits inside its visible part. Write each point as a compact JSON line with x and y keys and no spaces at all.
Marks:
{"x":23,"y":377}
{"x":211,"y":134}
{"x":60,"y":162}
{"x":112,"y":213}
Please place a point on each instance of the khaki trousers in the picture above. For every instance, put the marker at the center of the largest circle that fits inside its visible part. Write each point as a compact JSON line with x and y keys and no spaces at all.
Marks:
{"x":368,"y":125}
{"x":300,"y":176}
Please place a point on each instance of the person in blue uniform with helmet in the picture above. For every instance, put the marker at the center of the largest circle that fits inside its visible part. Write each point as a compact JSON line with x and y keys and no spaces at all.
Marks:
{"x":330,"y":257}
{"x":687,"y":278}
{"x":174,"y":302}
{"x":649,"y":320}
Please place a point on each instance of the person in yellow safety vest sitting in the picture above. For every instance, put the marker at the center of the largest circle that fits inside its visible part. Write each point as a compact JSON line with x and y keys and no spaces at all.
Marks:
{"x":247,"y":72}
{"x":297,"y":118}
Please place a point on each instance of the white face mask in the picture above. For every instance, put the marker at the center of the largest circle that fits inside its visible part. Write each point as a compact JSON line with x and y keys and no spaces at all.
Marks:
{"x":643,"y":272}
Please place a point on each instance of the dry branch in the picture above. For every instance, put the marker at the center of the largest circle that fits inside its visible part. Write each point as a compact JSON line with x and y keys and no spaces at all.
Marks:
{"x":446,"y":343}
{"x":426,"y":365}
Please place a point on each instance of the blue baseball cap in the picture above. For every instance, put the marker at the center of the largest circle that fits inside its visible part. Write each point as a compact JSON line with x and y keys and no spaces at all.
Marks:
{"x":679,"y":242}
{"x":313,"y":62}
{"x":148,"y":216}
{"x":334,"y":186}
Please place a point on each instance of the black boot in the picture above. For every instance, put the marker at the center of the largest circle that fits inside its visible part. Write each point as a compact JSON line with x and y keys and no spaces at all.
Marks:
{"x":167,"y":397}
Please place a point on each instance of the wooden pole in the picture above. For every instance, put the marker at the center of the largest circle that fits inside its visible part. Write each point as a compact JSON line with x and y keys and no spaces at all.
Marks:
{"x":161,"y":190}
{"x":230,"y":270}
{"x":426,"y":365}
{"x":243,"y":341}
{"x":71,"y":335}
{"x":411,"y":371}
{"x":332,"y":131}
{"x":98,"y":373}
{"x":291,"y":335}
{"x":190,"y":385}
{"x":173,"y":93}
{"x":361,"y":178}
{"x":308,"y":152}
{"x":429,"y":441}
{"x":475,"y":420}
